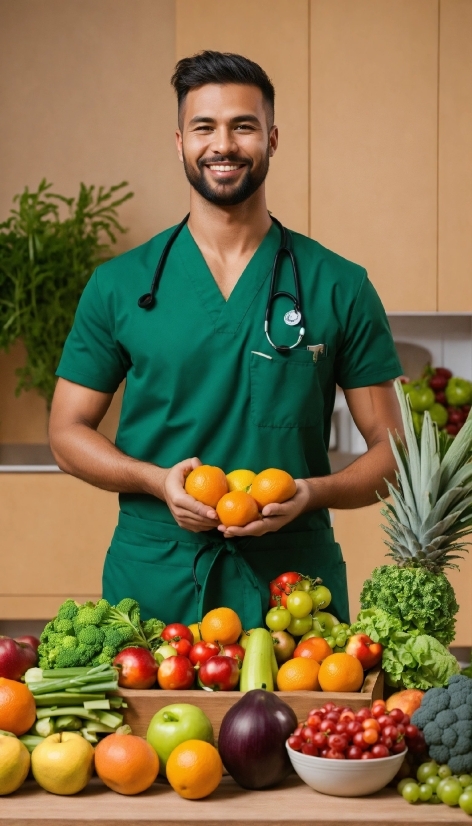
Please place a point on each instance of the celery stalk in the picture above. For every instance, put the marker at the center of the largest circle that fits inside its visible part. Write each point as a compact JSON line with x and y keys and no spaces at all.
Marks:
{"x":86,"y":713}
{"x":113,"y":720}
{"x":65,"y":698}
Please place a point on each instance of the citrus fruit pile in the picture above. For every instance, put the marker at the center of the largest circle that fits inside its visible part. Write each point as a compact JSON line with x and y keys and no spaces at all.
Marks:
{"x":339,"y":733}
{"x":239,"y":496}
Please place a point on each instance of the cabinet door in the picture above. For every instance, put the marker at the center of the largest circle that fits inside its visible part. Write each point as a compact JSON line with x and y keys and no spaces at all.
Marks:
{"x":455,"y":157}
{"x":362,"y":542}
{"x":54,"y":537}
{"x":373,"y":146}
{"x":274,"y":33}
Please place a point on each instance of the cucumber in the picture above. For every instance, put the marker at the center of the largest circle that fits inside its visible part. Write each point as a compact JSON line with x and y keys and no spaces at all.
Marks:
{"x":256,"y":671}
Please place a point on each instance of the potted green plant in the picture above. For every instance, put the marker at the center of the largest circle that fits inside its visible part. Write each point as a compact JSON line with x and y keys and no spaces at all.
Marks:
{"x":49,"y":247}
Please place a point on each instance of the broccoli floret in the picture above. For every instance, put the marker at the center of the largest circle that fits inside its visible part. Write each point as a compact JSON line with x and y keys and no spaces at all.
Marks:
{"x":107,"y":655}
{"x":438,"y":700}
{"x":69,"y":658}
{"x":63,"y":626}
{"x":464,"y":712}
{"x":130,"y":610}
{"x":92,"y":636}
{"x":445,"y":718}
{"x":433,"y":733}
{"x":91,"y":614}
{"x":69,"y":642}
{"x":68,"y":610}
{"x":153,"y":629}
{"x":439,"y":753}
{"x":48,"y":629}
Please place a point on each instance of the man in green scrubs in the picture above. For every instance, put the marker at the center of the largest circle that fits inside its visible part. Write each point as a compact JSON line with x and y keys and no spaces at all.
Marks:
{"x":205,"y":385}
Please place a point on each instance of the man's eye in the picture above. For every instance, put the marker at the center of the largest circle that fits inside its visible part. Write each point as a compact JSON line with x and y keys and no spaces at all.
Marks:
{"x":246,"y":127}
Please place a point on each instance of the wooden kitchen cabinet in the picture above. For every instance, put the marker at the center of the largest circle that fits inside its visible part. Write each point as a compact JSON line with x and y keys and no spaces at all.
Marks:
{"x":362,"y":542}
{"x":455,"y":157}
{"x":54,"y":537}
{"x":274,"y":33}
{"x":373,"y":141}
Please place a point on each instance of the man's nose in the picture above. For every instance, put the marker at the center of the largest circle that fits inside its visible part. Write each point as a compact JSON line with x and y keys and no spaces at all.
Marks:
{"x":223,"y":141}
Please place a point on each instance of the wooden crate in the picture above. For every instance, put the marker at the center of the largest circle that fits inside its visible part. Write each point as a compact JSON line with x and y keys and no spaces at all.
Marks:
{"x":143,"y":704}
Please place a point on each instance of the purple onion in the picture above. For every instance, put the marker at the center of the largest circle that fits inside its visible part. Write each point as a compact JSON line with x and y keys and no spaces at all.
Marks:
{"x":252,"y":739}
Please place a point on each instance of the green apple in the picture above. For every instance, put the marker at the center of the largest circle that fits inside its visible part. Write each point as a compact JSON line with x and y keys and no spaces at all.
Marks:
{"x":326,"y":621}
{"x":163,"y":652}
{"x":174,"y":724}
{"x":315,"y":632}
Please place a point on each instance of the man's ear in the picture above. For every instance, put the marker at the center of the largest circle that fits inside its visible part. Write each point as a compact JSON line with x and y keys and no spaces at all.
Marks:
{"x":178,"y":143}
{"x":273,"y":140}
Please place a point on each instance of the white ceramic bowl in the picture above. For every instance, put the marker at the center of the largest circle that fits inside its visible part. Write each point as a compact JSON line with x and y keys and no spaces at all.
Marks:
{"x":345,"y":778}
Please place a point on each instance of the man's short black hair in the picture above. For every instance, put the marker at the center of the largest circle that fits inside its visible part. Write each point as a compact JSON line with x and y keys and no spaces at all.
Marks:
{"x":220,"y":67}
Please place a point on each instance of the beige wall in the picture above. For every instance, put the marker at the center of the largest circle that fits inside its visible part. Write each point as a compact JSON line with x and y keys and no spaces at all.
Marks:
{"x":86,"y":97}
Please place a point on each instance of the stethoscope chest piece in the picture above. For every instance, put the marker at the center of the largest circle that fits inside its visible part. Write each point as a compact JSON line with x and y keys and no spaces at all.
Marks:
{"x":292,"y":318}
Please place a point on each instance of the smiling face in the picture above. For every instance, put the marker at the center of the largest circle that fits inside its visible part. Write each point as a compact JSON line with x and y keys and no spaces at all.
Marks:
{"x":225,"y":141}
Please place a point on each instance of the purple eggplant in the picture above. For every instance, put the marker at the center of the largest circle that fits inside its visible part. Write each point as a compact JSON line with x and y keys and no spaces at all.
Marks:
{"x":252,"y":739}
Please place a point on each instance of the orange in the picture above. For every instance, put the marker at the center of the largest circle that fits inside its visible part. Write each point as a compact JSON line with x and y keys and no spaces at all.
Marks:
{"x":341,"y":672}
{"x":316,"y":648}
{"x":221,"y":625}
{"x":125,"y":762}
{"x":237,"y":508}
{"x":206,"y":484}
{"x":272,"y":485}
{"x":300,"y":674}
{"x":194,"y":769}
{"x":17,"y":707}
{"x":240,"y":480}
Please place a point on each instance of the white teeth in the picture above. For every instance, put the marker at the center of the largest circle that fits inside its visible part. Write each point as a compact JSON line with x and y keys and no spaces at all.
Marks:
{"x":225,"y":168}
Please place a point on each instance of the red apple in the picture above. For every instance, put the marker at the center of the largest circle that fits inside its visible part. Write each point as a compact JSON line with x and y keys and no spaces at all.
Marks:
{"x":235,"y":651}
{"x":368,"y":652}
{"x":15,"y":658}
{"x":219,"y":674}
{"x":177,"y":631}
{"x":176,"y":673}
{"x":137,"y":668}
{"x":203,"y":651}
{"x":29,"y":640}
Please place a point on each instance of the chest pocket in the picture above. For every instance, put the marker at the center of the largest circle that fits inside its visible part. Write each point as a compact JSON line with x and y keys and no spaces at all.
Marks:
{"x":285,"y":390}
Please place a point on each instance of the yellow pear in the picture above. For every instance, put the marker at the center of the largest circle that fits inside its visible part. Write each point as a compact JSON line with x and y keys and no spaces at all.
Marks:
{"x":63,"y":763}
{"x":14,"y":763}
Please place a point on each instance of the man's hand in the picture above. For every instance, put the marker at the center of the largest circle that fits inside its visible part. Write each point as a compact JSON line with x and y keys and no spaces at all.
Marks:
{"x":188,"y":513}
{"x":274,"y":516}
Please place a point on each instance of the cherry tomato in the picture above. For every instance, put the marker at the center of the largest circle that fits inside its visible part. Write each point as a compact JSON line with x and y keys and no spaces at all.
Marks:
{"x":397,"y":716}
{"x":320,"y":597}
{"x":295,"y":742}
{"x":354,"y":753}
{"x":278,"y":619}
{"x":299,"y":604}
{"x":175,"y":630}
{"x":182,"y":646}
{"x":370,"y":736}
{"x":300,"y":625}
{"x":370,"y":723}
{"x":309,"y":748}
{"x":379,"y":750}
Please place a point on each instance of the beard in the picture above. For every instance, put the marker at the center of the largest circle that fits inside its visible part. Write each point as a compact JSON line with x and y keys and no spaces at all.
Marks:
{"x":226,"y":193}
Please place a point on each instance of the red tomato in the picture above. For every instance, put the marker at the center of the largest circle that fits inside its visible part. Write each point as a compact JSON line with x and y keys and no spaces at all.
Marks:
{"x":177,"y":631}
{"x":182,"y":646}
{"x":202,"y":651}
{"x":281,"y":587}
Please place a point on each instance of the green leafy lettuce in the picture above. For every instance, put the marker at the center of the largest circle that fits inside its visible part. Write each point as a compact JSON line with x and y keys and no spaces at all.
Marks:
{"x":417,"y":662}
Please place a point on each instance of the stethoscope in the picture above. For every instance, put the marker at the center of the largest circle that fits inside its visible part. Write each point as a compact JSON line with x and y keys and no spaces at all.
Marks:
{"x":292,"y":318}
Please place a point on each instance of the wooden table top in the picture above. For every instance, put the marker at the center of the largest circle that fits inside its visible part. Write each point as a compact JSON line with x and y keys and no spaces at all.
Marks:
{"x":291,"y":804}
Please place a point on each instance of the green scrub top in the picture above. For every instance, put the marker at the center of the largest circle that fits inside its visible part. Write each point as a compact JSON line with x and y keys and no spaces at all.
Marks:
{"x":202,"y":380}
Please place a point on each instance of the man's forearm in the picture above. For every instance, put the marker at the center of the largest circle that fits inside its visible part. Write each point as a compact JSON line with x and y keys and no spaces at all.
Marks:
{"x":83,"y":452}
{"x":356,"y":485}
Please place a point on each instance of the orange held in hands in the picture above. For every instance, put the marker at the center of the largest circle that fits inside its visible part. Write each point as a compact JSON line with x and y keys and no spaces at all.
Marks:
{"x":125,"y":762}
{"x":206,"y":484}
{"x":299,"y":674}
{"x":240,"y":480}
{"x":272,"y":485}
{"x":221,"y":625}
{"x":17,"y":707}
{"x":237,"y":508}
{"x":341,"y":672}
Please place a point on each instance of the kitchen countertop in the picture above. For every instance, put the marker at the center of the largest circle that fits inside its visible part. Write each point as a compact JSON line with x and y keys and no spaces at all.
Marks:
{"x":291,"y":804}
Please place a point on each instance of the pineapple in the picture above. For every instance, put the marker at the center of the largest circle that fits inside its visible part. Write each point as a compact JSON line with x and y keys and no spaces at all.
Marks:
{"x":428,"y":518}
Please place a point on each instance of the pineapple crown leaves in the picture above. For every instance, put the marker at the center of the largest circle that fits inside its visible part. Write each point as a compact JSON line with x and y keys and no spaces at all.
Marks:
{"x":431,"y":509}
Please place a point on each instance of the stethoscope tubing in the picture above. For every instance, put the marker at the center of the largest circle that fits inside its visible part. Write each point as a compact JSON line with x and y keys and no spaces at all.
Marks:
{"x":146,"y":301}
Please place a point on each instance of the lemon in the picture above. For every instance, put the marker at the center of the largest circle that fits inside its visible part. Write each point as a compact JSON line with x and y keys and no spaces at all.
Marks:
{"x":194,"y":627}
{"x":14,"y":763}
{"x":63,"y":763}
{"x":240,"y":480}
